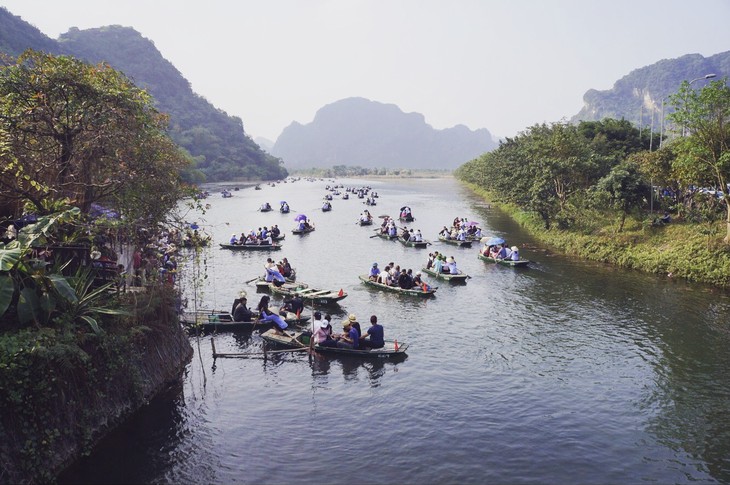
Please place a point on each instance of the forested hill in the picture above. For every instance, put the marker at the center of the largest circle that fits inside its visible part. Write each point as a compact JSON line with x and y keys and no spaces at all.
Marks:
{"x":217,"y":141}
{"x":16,"y":35}
{"x":360,"y":132}
{"x":636,"y":95}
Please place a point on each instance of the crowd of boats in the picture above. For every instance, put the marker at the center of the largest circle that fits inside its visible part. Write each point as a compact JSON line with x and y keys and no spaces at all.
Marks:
{"x":287,"y":326}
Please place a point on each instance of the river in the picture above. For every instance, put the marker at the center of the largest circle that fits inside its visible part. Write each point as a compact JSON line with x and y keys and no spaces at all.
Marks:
{"x":565,"y":372}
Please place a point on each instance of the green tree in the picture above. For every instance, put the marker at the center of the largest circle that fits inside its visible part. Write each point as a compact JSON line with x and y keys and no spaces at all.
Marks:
{"x":624,"y":188}
{"x":704,"y":116}
{"x":70,"y":130}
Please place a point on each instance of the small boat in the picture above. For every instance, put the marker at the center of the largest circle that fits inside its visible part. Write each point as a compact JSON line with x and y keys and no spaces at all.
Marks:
{"x":345,"y":196}
{"x":299,"y":339}
{"x":414,"y":244}
{"x":258,"y":187}
{"x":307,"y":293}
{"x":455,"y":242}
{"x":306,"y":230}
{"x":265,"y":208}
{"x":406,"y":215}
{"x":284,"y":210}
{"x":251,"y":247}
{"x":384,"y":236}
{"x":280,"y":237}
{"x":221,"y":320}
{"x":396,"y":289}
{"x":452,"y":278}
{"x":368,"y":222}
{"x":326,"y":207}
{"x":226,"y":194}
{"x":520,"y":263}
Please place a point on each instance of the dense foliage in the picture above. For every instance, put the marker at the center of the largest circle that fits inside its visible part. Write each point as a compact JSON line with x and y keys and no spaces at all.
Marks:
{"x":82,"y":134}
{"x":73,"y":348}
{"x":551,"y":169}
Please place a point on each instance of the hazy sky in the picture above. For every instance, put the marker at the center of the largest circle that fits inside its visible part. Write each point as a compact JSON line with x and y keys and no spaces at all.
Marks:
{"x":497,"y":64}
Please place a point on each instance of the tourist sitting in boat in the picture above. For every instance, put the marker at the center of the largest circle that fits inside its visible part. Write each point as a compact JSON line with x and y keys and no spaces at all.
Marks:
{"x":275,"y":231}
{"x":501,"y":252}
{"x":514,"y":254}
{"x":417,"y":281}
{"x":438,"y":263}
{"x":326,"y":206}
{"x":405,"y":281}
{"x":286,"y":268}
{"x":418,"y":237}
{"x":384,"y":277}
{"x":375,"y":335}
{"x":233,"y":240}
{"x":322,"y":331}
{"x":392,"y":230}
{"x":301,"y":226}
{"x":266,"y":315}
{"x":406,"y":234}
{"x":374,"y":272}
{"x":461,"y":235}
{"x":273,"y":275}
{"x":284,"y":207}
{"x":355,"y":324}
{"x":295,"y":305}
{"x":451,"y":266}
{"x":241,"y":313}
{"x":350,"y":337}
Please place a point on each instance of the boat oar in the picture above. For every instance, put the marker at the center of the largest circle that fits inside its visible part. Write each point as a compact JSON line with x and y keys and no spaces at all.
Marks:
{"x":251,"y":281}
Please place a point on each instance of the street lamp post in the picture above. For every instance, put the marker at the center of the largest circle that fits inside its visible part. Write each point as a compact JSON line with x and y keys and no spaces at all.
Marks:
{"x":706,"y":76}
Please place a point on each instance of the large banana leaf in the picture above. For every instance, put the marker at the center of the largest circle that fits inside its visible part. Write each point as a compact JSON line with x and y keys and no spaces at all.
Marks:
{"x":7,"y":288}
{"x":9,"y":258}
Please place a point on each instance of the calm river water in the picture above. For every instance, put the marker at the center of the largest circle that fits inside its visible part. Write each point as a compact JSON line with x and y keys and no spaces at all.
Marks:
{"x":566,"y":372}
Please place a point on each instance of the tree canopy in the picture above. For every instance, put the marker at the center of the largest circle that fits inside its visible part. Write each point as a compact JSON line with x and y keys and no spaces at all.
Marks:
{"x":83,"y":134}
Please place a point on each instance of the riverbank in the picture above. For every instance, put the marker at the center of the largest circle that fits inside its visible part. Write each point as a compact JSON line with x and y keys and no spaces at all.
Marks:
{"x":90,"y":384}
{"x":695,"y":252}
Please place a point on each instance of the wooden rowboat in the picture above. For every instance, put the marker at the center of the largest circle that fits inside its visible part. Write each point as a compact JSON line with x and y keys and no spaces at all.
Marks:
{"x":414,"y":244}
{"x":365,"y":223}
{"x":222,"y":321}
{"x":396,"y":289}
{"x":303,"y":231}
{"x":251,"y":247}
{"x":452,"y":278}
{"x":455,"y":242}
{"x":307,"y":293}
{"x":384,"y":236}
{"x":300,"y":339}
{"x":521,"y":263}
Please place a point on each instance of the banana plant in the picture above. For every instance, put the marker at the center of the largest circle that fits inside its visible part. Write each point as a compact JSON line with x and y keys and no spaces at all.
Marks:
{"x":41,"y":294}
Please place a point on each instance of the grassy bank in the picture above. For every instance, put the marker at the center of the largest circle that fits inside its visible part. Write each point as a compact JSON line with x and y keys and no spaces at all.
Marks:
{"x":680,"y":249}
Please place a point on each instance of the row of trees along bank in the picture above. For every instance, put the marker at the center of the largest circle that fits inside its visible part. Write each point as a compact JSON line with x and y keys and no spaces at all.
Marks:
{"x":587,"y":188}
{"x":75,"y":355}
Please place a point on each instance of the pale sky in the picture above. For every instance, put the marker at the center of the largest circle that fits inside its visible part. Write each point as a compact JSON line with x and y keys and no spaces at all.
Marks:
{"x":503,"y":65}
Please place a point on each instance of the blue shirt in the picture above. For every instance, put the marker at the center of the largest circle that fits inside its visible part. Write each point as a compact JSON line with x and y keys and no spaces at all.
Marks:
{"x":376,"y":333}
{"x":354,"y":335}
{"x":374,"y":271}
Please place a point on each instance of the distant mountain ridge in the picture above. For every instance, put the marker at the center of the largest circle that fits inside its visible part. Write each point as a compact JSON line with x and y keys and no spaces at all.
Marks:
{"x":635,"y":96}
{"x":217,"y":142}
{"x":360,"y":132}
